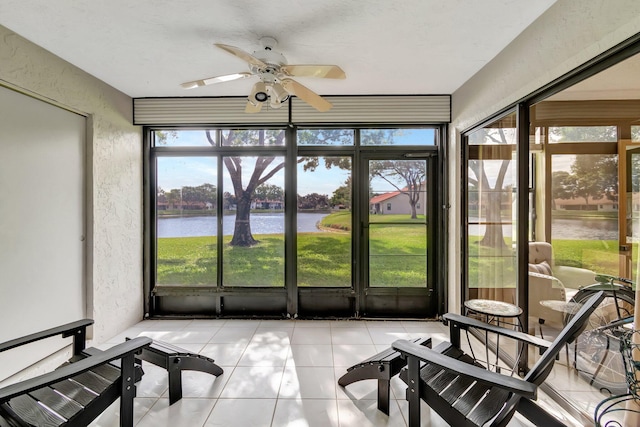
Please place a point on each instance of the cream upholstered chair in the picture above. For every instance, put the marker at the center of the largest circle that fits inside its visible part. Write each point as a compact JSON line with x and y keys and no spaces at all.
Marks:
{"x":549,"y":282}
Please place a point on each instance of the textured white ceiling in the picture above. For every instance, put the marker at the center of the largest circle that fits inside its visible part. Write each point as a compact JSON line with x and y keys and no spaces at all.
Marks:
{"x":148,"y":47}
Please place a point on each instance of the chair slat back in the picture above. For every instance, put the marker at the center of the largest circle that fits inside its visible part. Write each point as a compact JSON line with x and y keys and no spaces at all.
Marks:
{"x":570,"y":332}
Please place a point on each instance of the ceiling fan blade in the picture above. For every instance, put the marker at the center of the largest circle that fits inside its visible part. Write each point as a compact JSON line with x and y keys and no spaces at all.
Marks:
{"x":247,"y":57}
{"x":321,"y":71}
{"x":253,"y":108}
{"x":218,"y":79}
{"x":307,"y":95}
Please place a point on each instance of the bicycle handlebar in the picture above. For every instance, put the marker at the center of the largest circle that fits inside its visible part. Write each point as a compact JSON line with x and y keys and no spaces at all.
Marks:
{"x":606,"y":278}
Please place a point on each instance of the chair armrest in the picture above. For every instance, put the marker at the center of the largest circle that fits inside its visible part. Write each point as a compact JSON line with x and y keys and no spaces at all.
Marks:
{"x":512,"y":384}
{"x":67,"y":330}
{"x":574,"y":277}
{"x":67,"y":371}
{"x":555,"y":282}
{"x":464,"y":322}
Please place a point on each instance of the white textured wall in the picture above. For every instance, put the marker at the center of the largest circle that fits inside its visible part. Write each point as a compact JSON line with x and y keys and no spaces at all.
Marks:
{"x":567,"y":35}
{"x":114,"y":146}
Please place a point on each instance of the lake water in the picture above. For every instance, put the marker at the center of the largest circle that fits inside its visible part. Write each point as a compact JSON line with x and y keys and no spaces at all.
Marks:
{"x":261,"y":223}
{"x":563,"y":228}
{"x":273,"y":223}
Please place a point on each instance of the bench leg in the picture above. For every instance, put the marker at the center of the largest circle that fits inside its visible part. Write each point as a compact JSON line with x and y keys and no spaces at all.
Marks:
{"x":413,"y":391}
{"x":128,"y":391}
{"x":175,"y":379}
{"x":383,"y":396}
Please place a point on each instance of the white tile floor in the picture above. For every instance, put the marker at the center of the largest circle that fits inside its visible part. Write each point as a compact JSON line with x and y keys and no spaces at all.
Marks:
{"x":276,"y":373}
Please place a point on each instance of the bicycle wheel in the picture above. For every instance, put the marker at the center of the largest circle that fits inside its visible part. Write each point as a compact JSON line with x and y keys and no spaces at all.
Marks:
{"x":597,"y":356}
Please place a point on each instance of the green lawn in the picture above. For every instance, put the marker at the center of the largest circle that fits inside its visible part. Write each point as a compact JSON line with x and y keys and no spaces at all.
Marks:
{"x":397,"y":257}
{"x":493,"y":266}
{"x":324,"y":258}
{"x":598,"y":255}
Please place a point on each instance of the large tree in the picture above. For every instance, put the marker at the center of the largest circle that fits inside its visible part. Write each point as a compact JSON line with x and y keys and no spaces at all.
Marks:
{"x":591,"y":177}
{"x":491,"y":196}
{"x":269,"y":193}
{"x":264,"y":169}
{"x":313,"y":201}
{"x":245,"y":183}
{"x":342,"y":195}
{"x":174,"y":199}
{"x":596,"y":177}
{"x":199,"y":197}
{"x":563,"y":186}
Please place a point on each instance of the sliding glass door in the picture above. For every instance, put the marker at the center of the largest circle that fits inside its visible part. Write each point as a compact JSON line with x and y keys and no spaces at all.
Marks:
{"x":491,"y":213}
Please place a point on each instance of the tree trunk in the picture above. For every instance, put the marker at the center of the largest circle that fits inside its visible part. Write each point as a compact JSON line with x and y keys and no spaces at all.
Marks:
{"x":414,"y":214}
{"x":493,"y":235}
{"x":242,"y":231}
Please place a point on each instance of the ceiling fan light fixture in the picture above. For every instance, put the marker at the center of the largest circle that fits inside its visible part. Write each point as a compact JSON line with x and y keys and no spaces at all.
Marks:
{"x":261,"y":96}
{"x":275,"y":103}
{"x":259,"y":93}
{"x":279,"y":93}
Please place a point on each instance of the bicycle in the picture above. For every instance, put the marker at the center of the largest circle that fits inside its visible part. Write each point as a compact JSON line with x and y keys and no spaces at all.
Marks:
{"x":597,"y":357}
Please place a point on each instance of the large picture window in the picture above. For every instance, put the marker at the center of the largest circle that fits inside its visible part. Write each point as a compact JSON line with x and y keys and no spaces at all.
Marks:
{"x":272,"y":220}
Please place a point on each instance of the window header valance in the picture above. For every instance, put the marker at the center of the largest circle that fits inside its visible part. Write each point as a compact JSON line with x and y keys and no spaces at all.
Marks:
{"x":394,"y":109}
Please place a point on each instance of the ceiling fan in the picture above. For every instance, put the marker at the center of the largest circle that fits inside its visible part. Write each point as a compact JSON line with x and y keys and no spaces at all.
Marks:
{"x":275,"y":84}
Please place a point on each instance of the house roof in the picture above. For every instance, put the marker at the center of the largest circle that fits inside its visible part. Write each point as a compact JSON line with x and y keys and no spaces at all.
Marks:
{"x":383,"y":197}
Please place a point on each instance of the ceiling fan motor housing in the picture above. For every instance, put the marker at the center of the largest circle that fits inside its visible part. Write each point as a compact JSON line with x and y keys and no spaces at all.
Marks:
{"x":273,"y":59}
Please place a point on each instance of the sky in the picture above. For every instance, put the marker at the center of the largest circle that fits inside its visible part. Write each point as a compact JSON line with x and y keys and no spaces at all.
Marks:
{"x":177,"y":172}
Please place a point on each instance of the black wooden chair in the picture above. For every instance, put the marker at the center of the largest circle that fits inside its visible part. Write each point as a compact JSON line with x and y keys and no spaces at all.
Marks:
{"x":464,"y":393}
{"x":79,"y":391}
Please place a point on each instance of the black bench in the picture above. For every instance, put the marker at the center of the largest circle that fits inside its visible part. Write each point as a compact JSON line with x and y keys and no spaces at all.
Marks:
{"x":383,"y":366}
{"x":79,"y":391}
{"x":175,"y":360}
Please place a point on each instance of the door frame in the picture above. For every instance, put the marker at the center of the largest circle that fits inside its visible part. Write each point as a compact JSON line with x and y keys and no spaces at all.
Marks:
{"x":398,"y":302}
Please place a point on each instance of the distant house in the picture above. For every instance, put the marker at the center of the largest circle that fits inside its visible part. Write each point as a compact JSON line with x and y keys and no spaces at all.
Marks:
{"x":267,"y":204}
{"x":396,"y":203}
{"x":579,"y":204}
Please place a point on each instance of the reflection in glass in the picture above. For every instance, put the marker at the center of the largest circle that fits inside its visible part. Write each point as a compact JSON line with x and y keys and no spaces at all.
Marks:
{"x":583,"y":134}
{"x":397,"y":137}
{"x":397,"y":223}
{"x":253,"y":190}
{"x":186,"y":221}
{"x":633,"y":205}
{"x":491,"y":211}
{"x":584,"y":209}
{"x":324,"y":221}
